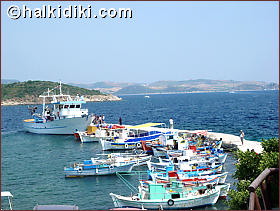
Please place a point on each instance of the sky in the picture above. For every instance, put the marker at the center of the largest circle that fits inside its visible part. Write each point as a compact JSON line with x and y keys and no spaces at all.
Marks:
{"x":162,"y":41}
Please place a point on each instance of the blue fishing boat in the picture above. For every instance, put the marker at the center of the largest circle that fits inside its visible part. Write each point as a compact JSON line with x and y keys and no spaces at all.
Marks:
{"x":131,"y":139}
{"x":115,"y":162}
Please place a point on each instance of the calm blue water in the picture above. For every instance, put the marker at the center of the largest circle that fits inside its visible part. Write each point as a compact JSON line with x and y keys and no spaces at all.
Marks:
{"x":32,"y":165}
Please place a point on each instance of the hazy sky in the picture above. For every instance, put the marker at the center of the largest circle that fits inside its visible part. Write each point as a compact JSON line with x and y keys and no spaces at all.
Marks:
{"x":163,"y":41}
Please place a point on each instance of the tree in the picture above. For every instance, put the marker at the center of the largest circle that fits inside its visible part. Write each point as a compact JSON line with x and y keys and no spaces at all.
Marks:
{"x":249,"y":166}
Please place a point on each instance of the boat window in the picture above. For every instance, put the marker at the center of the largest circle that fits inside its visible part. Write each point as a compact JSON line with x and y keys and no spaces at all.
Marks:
{"x":78,"y":106}
{"x":60,"y":106}
{"x":66,"y":106}
{"x":175,"y":196}
{"x":72,"y":106}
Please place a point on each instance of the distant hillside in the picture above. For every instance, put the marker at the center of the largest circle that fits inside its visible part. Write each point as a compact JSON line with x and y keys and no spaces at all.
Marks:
{"x":104,"y":86}
{"x":199,"y":85}
{"x":135,"y":89}
{"x":8,"y":81}
{"x":28,"y":92}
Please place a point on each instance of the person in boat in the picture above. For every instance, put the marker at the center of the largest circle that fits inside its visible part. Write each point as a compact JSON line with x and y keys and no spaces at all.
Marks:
{"x":103,"y":118}
{"x":171,"y":123}
{"x":92,"y":119}
{"x":242,"y":135}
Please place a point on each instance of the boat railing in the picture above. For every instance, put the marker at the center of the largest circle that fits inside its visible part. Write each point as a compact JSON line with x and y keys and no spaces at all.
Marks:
{"x":264,"y":181}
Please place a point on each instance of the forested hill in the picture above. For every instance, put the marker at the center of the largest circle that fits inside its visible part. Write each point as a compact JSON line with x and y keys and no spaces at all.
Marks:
{"x":35,"y":88}
{"x":28,"y":92}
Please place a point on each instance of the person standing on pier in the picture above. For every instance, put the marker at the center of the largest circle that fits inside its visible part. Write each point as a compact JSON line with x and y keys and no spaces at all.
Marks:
{"x":120,"y":121}
{"x":242,"y":135}
{"x":171,"y":123}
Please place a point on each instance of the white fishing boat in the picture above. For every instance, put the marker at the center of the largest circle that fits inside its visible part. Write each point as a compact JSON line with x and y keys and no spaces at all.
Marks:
{"x":96,"y":133}
{"x":160,"y":196}
{"x":64,"y":117}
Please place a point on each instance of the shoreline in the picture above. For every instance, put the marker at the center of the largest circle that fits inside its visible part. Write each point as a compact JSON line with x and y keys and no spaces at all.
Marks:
{"x":111,"y":97}
{"x":93,"y":98}
{"x":194,"y":92}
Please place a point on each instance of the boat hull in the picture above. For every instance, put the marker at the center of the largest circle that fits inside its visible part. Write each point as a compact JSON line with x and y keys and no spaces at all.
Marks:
{"x":89,"y":138}
{"x":107,"y":145}
{"x":69,"y":172}
{"x":59,"y":127}
{"x":185,"y":203}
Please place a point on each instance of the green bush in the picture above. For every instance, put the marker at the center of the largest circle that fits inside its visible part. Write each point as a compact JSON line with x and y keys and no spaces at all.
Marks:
{"x":249,"y":166}
{"x":239,"y":197}
{"x":271,"y":145}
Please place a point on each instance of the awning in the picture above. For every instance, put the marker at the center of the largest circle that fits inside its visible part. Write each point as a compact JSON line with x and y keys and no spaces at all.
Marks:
{"x":6,"y":193}
{"x":150,"y":124}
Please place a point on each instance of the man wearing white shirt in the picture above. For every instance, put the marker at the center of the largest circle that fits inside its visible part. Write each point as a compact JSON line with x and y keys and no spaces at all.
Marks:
{"x":171,"y":123}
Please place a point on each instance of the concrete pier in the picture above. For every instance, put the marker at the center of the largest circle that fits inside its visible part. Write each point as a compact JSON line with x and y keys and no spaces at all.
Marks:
{"x":232,"y":140}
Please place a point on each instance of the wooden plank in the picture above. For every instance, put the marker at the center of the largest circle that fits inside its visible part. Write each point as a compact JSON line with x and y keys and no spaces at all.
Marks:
{"x":252,"y":201}
{"x":257,"y":203}
{"x":261,"y":178}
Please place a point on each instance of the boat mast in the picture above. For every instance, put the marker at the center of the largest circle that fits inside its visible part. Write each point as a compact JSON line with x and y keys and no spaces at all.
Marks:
{"x":44,"y":104}
{"x":60,"y":93}
{"x":44,"y":101}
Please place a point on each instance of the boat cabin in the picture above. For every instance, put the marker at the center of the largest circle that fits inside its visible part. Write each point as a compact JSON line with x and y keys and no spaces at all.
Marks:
{"x":69,"y":109}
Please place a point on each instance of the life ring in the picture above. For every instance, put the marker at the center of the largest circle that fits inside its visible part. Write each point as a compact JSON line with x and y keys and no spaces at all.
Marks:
{"x":111,"y":167}
{"x":126,"y":146}
{"x":170,"y":202}
{"x":138,"y":145}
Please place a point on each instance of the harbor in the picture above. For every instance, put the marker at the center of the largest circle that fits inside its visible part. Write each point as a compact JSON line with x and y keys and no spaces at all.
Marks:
{"x":74,"y":151}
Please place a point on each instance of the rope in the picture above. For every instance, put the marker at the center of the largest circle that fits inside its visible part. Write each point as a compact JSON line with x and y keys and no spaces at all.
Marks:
{"x":128,"y":184}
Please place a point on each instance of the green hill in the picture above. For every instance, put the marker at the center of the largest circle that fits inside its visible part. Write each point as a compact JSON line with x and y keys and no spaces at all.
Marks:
{"x":32,"y":89}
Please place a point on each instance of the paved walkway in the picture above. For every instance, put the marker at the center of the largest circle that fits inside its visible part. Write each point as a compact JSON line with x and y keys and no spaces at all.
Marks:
{"x":235,"y":140}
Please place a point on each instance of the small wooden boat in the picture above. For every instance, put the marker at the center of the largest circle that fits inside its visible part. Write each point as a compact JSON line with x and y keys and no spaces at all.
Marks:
{"x":95,"y":168}
{"x":174,"y":196}
{"x":131,"y":139}
{"x":116,"y":162}
{"x":96,"y":133}
{"x":186,"y":178}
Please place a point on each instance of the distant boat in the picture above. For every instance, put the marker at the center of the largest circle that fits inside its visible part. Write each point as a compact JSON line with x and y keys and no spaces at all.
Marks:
{"x":147,"y":96}
{"x":63,"y":118}
{"x":232,"y":91}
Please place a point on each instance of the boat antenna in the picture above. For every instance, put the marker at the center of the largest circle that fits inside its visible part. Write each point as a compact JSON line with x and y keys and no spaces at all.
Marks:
{"x":60,"y":88}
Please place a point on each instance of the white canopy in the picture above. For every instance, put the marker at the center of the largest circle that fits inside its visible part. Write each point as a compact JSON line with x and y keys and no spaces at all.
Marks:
{"x":6,"y":193}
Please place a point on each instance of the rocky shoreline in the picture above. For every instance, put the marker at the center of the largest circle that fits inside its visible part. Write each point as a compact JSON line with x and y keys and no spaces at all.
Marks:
{"x":36,"y":101}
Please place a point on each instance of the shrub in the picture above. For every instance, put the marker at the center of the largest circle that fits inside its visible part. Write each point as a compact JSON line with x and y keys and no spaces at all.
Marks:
{"x":249,"y":166}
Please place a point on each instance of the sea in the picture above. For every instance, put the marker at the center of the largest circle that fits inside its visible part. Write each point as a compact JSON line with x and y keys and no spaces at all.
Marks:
{"x":32,"y":165}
